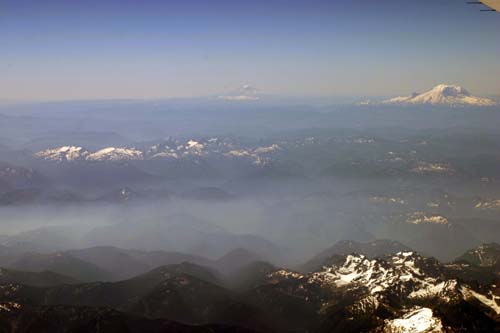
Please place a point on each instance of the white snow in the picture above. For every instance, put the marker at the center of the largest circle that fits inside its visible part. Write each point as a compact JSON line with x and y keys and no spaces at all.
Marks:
{"x":170,"y":149}
{"x":245,"y":93}
{"x":165,"y":154}
{"x":192,"y":144}
{"x":239,"y":98}
{"x":73,"y":153}
{"x":423,"y":218}
{"x":432,"y":290}
{"x":282,"y":273}
{"x":265,"y":150}
{"x":257,"y":154}
{"x":378,"y":275}
{"x":387,"y":200}
{"x":492,"y":301}
{"x":418,"y":320}
{"x":432,"y":168}
{"x":115,"y":154}
{"x":398,"y":273}
{"x":489,"y":204}
{"x":65,"y":153}
{"x":9,"y":306}
{"x":451,"y":95}
{"x":238,"y":153}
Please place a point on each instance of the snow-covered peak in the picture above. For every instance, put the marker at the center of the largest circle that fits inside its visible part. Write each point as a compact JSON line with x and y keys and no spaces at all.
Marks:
{"x":417,"y":320}
{"x":73,"y":153}
{"x":65,"y":153}
{"x":258,"y":155}
{"x":265,"y":150}
{"x":115,"y":154}
{"x":488,"y":204}
{"x":376,"y":275}
{"x":245,"y":93}
{"x":412,"y":285}
{"x":195,"y":145}
{"x":406,"y":274}
{"x":426,"y":168}
{"x":423,"y":218}
{"x":451,"y":95}
{"x":490,"y":301}
{"x":169,"y":149}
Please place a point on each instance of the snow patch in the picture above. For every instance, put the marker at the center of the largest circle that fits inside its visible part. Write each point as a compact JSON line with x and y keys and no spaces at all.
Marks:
{"x":423,"y":218}
{"x":491,"y":301}
{"x":418,"y":320}
{"x":116,"y":154}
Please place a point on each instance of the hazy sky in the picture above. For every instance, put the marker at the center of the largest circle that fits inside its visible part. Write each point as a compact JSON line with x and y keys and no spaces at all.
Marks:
{"x":72,"y":49}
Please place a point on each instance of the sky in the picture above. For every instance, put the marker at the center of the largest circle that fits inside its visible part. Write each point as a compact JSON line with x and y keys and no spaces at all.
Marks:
{"x":98,"y":49}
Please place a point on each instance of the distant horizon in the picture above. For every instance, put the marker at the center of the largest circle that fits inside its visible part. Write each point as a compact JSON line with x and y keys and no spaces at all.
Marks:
{"x":264,"y":95}
{"x":60,"y":50}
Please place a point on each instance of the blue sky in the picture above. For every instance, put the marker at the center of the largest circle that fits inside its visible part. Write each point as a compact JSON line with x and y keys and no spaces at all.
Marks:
{"x":63,"y":49}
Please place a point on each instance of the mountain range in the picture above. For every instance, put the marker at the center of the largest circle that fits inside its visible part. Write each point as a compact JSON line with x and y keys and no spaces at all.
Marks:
{"x":169,"y":149}
{"x":377,"y":292}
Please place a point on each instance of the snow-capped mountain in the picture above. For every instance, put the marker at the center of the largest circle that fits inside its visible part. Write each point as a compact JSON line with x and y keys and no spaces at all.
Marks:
{"x":373,"y":249}
{"x":443,"y":94}
{"x":166,"y":150}
{"x":244,"y":93}
{"x":397,"y":293}
{"x":403,"y":292}
{"x":417,"y":320}
{"x":73,"y":153}
{"x":65,"y":153}
{"x":405,"y":274}
{"x":115,"y":154}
